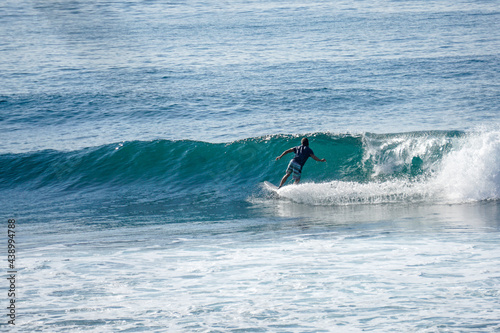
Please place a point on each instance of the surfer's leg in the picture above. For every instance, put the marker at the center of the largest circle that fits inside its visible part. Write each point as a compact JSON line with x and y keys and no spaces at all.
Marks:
{"x":288,"y":172}
{"x":283,"y":180}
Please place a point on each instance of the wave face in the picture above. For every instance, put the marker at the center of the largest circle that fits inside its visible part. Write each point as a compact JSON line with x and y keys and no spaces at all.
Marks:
{"x":365,"y":168}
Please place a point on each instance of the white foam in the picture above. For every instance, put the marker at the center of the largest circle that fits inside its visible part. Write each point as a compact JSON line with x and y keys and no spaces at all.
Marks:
{"x":346,"y":193}
{"x":472,"y":172}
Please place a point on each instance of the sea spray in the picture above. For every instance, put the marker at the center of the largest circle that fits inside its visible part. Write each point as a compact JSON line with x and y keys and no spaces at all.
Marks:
{"x":348,"y":193}
{"x":471,"y":172}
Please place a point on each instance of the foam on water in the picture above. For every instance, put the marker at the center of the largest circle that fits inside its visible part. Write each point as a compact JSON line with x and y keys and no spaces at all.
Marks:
{"x":350,"y":281}
{"x":472,"y":172}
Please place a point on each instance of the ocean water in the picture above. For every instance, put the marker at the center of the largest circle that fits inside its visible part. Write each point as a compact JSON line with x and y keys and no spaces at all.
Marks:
{"x":136,"y":136}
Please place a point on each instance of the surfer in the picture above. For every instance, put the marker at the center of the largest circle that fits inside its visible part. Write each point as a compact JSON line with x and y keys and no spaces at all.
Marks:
{"x":302,"y":153}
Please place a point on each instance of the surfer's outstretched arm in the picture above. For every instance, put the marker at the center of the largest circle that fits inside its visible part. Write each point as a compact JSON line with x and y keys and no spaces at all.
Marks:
{"x":317,"y":158}
{"x":284,"y":153}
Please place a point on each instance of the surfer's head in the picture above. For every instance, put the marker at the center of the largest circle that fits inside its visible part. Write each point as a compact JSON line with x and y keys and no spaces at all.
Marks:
{"x":305,"y":142}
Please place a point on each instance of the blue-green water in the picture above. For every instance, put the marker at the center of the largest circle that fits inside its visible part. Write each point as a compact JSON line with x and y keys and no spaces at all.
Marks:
{"x":136,"y":136}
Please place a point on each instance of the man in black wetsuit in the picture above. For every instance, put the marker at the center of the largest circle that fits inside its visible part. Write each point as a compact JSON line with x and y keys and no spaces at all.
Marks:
{"x":302,"y":153}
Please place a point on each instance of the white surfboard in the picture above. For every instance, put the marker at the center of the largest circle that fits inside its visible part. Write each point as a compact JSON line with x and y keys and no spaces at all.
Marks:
{"x":270,"y":186}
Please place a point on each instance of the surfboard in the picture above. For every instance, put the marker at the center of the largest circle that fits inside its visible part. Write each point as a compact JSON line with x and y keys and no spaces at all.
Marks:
{"x":270,"y":186}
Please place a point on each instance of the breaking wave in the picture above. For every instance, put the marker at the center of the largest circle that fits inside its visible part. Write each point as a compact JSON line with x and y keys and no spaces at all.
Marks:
{"x":449,"y":166}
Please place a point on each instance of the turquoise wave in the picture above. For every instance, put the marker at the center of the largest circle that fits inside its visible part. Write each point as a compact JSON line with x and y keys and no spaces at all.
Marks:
{"x":184,"y":165}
